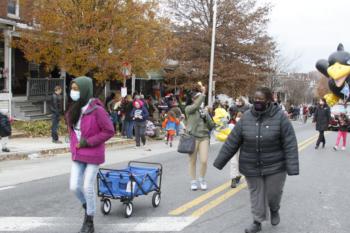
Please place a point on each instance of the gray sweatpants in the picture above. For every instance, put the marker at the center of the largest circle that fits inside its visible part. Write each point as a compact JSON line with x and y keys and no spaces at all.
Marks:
{"x":265,"y":194}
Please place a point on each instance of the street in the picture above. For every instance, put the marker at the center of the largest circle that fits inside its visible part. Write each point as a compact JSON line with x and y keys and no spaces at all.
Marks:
{"x":35,"y":196}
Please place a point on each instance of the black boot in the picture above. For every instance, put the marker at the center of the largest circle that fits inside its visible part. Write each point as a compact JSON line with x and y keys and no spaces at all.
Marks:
{"x":85,"y":216}
{"x":275,"y":218}
{"x":238,"y":179}
{"x":254,"y":228}
{"x":88,"y":225}
{"x":233,"y":183}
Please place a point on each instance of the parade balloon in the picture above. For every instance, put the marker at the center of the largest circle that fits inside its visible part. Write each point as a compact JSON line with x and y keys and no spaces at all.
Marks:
{"x":337,"y":70}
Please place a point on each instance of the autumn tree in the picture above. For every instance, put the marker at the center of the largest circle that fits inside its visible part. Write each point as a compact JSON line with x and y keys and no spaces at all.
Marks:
{"x":243,"y":48}
{"x":321,"y":86}
{"x":96,"y":36}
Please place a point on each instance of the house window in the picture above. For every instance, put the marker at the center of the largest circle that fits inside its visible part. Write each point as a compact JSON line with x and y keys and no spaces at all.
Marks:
{"x":13,"y":8}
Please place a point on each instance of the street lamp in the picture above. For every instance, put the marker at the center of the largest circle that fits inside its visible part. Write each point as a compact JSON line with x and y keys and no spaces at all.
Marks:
{"x":211,"y":69}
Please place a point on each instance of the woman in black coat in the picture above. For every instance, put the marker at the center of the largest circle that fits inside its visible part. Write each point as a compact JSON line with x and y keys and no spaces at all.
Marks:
{"x":322,"y":117}
{"x":268,"y":152}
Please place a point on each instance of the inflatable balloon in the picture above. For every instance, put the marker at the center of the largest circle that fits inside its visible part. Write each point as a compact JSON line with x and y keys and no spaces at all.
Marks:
{"x":222,"y":129}
{"x":337,"y":70}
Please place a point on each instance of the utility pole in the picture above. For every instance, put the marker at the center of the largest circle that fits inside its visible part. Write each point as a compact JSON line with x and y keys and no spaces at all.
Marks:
{"x":211,"y":69}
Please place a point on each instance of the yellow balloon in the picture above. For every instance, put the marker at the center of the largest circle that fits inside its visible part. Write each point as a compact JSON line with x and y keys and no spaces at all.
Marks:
{"x":331,"y":99}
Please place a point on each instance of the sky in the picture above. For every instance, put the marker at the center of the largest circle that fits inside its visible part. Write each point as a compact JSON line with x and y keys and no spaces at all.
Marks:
{"x":308,"y":30}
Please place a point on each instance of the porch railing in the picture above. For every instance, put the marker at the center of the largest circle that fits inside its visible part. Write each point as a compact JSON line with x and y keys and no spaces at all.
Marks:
{"x":43,"y":88}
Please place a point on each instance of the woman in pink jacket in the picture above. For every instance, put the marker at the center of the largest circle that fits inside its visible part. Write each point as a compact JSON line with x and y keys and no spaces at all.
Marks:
{"x":89,"y":128}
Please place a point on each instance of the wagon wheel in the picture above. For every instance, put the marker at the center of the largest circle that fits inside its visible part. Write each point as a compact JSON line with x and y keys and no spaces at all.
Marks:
{"x":128,"y":207}
{"x":156,"y":199}
{"x":106,"y":206}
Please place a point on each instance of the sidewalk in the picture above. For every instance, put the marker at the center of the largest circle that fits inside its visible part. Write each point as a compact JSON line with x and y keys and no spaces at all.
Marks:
{"x":24,"y":148}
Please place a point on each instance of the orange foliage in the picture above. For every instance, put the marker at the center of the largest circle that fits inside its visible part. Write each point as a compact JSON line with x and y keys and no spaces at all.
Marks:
{"x":96,"y":36}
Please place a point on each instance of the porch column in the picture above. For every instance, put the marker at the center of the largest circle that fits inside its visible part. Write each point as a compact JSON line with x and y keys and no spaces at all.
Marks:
{"x":8,"y":66}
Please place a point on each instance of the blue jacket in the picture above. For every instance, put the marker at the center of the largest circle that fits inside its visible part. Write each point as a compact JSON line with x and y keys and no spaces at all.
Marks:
{"x":139,"y":112}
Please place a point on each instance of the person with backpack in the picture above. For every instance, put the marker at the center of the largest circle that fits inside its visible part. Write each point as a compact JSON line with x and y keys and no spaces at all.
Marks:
{"x":89,"y":127}
{"x":5,"y":131}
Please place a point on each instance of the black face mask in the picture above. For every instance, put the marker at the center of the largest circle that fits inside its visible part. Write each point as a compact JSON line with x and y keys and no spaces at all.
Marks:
{"x":260,"y":106}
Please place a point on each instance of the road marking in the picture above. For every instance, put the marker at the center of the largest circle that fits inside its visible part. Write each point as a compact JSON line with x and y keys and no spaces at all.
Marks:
{"x":198,"y":213}
{"x":45,"y":224}
{"x":6,"y":188}
{"x":189,"y":205}
{"x":182,"y":209}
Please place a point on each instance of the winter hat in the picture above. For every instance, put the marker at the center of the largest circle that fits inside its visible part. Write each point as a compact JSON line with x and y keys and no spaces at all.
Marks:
{"x":85,"y":88}
{"x":138,"y":101}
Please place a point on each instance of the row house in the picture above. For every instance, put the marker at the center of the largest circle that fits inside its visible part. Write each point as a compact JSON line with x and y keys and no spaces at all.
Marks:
{"x":23,"y":91}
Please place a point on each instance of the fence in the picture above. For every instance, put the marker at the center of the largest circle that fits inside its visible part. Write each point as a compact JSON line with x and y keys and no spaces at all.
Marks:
{"x":42,"y":88}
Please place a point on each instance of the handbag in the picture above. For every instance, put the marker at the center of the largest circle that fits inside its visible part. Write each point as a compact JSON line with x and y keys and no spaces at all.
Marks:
{"x":187,"y":144}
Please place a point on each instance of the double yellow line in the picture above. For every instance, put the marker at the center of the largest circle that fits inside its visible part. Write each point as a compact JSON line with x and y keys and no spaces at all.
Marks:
{"x":212,"y":204}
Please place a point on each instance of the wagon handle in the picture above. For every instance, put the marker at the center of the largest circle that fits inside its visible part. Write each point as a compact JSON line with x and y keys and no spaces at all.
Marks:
{"x":149,"y":163}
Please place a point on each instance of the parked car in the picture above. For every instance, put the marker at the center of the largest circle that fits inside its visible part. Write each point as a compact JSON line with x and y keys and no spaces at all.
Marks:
{"x":336,"y":110}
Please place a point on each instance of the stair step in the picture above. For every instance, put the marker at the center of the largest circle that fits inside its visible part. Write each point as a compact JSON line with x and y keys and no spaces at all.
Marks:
{"x":39,"y":117}
{"x":33,"y":113}
{"x":30,"y":108}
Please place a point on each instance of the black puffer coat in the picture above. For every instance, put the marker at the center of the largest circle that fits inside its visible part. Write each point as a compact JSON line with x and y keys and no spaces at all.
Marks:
{"x":5,"y":126}
{"x":322,"y":117}
{"x":267,"y":141}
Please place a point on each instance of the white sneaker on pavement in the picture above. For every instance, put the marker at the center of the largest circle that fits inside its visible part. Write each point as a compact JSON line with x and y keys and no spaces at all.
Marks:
{"x":194,"y":185}
{"x":203,"y":184}
{"x":343,"y":148}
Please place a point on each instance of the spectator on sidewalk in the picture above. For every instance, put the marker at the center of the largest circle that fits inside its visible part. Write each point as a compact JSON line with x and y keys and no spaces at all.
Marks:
{"x":5,"y":131}
{"x":89,"y":128}
{"x":128,"y":121}
{"x":139,"y":115}
{"x":56,"y":109}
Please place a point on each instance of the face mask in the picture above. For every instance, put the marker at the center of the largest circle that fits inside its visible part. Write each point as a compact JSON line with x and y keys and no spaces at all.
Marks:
{"x":75,"y":95}
{"x":260,"y":106}
{"x":237,"y":119}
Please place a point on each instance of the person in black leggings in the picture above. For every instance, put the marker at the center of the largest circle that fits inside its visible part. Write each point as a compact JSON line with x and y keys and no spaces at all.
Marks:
{"x":322,"y":117}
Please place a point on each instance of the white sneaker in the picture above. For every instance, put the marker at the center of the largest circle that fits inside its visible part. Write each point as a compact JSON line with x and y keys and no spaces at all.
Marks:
{"x":203,"y":184}
{"x":343,"y":148}
{"x":194,"y":185}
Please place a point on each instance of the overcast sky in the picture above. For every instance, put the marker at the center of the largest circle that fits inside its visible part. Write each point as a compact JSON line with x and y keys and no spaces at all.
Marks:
{"x":310,"y":29}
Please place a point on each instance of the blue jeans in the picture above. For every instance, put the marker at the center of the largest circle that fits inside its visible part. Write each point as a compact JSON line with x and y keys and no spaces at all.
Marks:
{"x":82,"y":183}
{"x":129,"y":126}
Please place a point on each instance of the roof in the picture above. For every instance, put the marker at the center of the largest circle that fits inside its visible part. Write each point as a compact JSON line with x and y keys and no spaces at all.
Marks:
{"x":152,"y":75}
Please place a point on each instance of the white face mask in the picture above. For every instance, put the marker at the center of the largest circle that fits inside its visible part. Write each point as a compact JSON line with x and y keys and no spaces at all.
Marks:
{"x":75,"y":95}
{"x":237,"y":119}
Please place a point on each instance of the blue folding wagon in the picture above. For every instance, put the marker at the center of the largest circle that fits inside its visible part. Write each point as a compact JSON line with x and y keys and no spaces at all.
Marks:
{"x":139,"y":178}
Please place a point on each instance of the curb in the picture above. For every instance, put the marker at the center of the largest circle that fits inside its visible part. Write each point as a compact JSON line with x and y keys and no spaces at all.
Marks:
{"x":52,"y":152}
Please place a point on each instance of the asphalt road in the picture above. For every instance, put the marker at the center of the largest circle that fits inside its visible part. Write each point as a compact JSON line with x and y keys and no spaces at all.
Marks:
{"x":316,"y":201}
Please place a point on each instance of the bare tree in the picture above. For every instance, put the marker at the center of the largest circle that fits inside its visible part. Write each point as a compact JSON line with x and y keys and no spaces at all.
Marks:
{"x":243,"y":50}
